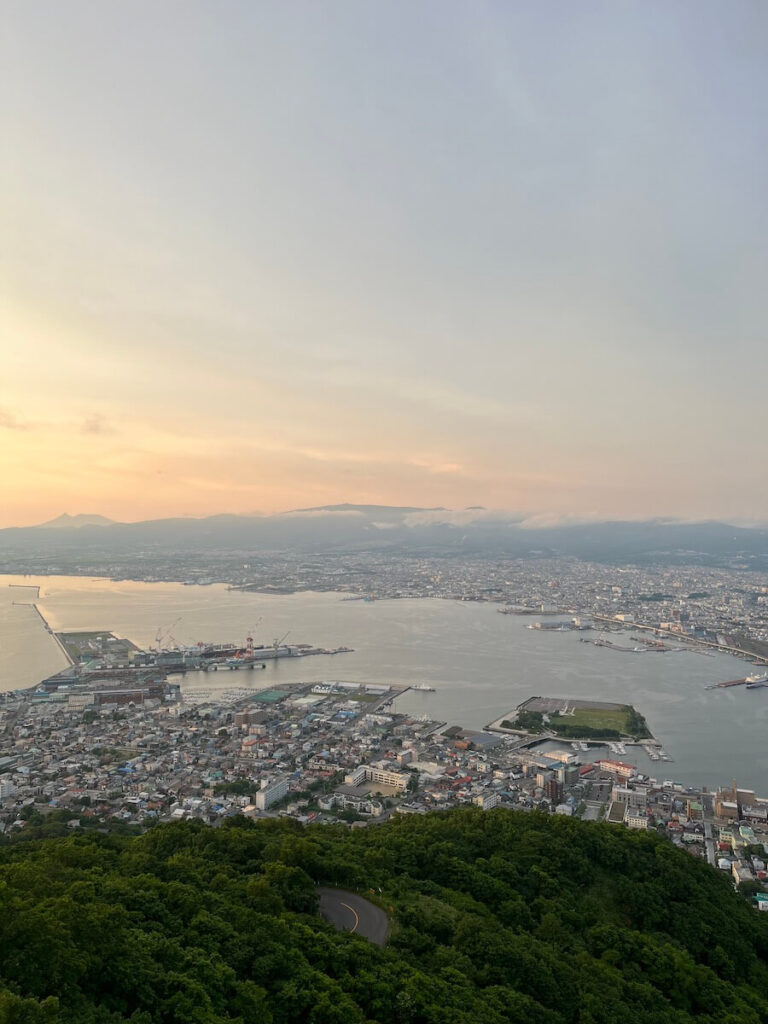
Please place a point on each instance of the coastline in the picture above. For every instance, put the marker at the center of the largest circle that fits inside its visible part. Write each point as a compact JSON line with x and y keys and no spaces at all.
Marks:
{"x":480,"y":663}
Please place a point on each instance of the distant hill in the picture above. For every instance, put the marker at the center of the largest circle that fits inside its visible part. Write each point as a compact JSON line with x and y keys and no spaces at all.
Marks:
{"x":68,"y":522}
{"x":398,"y":530}
{"x":497,"y":917}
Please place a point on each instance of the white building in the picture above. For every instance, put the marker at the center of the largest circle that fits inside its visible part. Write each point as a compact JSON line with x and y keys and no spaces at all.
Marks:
{"x":637,"y":796}
{"x":370,"y":773}
{"x":488,"y":801}
{"x":635,"y":819}
{"x":271,"y":792}
{"x":564,"y":756}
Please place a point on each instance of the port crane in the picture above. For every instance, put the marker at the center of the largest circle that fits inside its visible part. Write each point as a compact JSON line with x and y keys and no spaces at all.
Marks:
{"x":276,"y":643}
{"x":166,"y":634}
{"x":249,"y":638}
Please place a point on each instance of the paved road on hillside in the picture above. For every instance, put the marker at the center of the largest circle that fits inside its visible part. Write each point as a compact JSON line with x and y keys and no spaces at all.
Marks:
{"x":351,"y":913}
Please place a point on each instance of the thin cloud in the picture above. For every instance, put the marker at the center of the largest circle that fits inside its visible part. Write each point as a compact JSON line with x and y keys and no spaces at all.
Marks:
{"x":97,"y":424}
{"x":459,"y":517}
{"x":319,"y":513}
{"x":9,"y":421}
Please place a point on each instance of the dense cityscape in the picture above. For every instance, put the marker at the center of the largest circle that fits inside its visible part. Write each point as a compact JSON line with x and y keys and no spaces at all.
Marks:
{"x":727,"y":606}
{"x":112,"y":741}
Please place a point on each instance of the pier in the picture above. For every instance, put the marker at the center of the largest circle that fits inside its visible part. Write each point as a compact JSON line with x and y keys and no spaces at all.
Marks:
{"x":600,"y":642}
{"x":27,"y":586}
{"x":751,"y":682}
{"x":48,"y":630}
{"x":725,"y":685}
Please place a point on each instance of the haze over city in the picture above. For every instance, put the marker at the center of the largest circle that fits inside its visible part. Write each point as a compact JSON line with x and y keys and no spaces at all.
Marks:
{"x":266,"y":256}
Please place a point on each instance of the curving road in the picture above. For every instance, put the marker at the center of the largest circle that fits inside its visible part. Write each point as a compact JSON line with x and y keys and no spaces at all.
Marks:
{"x":351,"y":913}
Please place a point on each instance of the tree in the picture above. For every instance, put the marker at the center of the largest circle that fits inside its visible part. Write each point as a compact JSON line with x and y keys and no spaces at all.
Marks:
{"x":496,"y":917}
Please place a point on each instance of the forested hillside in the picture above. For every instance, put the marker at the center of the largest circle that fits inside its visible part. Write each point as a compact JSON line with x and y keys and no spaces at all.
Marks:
{"x":496,"y":917}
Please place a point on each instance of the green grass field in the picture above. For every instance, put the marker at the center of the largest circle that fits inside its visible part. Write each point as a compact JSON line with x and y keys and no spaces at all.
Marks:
{"x":599,"y":718}
{"x":625,"y":721}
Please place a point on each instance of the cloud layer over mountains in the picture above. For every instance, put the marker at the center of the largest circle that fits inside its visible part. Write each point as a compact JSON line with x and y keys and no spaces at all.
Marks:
{"x":402,"y":531}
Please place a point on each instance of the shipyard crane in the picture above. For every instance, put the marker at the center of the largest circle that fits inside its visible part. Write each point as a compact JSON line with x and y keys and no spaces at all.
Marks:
{"x":276,"y":643}
{"x":249,"y":638}
{"x":248,"y":650}
{"x":166,"y":634}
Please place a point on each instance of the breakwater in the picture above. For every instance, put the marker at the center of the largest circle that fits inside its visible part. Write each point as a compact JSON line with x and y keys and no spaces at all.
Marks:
{"x":51,"y":633}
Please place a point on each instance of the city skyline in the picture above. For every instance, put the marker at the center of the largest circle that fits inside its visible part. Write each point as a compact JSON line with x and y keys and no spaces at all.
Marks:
{"x":267,"y":257}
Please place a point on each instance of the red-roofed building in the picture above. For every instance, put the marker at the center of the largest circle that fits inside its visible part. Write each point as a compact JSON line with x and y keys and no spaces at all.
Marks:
{"x":463,"y":781}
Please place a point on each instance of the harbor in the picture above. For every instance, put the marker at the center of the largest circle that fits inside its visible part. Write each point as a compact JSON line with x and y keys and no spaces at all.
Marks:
{"x":480,"y":663}
{"x":104,"y":669}
{"x":643,"y":645}
{"x":115,"y":668}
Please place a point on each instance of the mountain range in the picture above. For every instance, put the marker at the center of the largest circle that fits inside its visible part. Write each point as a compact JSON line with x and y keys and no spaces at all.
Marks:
{"x":68,"y":522}
{"x":401,"y":530}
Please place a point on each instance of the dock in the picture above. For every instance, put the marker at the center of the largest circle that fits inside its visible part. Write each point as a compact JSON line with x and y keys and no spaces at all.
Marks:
{"x":51,"y":633}
{"x":601,"y":642}
{"x":27,"y":586}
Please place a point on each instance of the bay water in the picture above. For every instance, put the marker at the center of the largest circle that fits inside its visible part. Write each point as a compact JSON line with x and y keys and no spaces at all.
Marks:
{"x":481,"y":664}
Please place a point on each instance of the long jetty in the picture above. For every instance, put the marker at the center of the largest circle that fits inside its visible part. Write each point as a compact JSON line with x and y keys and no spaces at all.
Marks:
{"x":27,"y":586}
{"x":49,"y":630}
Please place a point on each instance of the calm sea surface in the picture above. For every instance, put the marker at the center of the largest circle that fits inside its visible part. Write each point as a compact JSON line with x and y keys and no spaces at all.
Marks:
{"x":481,"y":663}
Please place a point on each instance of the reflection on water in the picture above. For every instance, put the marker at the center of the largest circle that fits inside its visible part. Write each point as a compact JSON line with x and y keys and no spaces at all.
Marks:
{"x":27,"y":652}
{"x":481,"y":663}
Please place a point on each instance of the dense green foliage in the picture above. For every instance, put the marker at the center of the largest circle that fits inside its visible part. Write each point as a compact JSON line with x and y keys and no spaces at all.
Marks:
{"x":573,"y":731}
{"x":637,"y":725}
{"x":240,"y":787}
{"x":55,"y":823}
{"x":530,"y":721}
{"x":497,"y":917}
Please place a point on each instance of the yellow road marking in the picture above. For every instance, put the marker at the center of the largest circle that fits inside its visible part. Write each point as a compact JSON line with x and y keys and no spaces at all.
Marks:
{"x":357,"y":919}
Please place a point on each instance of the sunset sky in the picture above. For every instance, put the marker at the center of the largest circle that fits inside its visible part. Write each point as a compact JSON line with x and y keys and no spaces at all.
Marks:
{"x":259,"y":255}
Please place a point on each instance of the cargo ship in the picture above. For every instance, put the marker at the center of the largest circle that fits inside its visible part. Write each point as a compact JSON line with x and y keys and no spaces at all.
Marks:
{"x":757,"y":682}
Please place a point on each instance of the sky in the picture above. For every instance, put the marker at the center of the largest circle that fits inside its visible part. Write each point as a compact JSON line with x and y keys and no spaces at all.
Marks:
{"x":263,"y":255}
